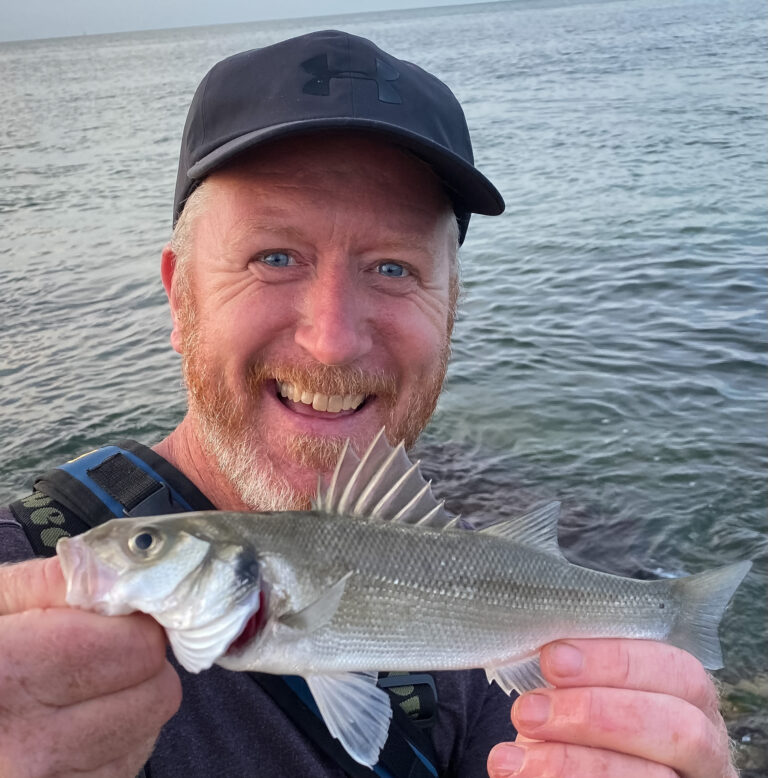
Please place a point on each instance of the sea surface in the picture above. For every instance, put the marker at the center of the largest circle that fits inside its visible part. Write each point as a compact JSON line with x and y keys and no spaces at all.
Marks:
{"x":611,"y":346}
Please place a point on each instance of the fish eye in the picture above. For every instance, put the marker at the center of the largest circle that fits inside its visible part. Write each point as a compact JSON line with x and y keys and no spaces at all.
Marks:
{"x":145,"y":543}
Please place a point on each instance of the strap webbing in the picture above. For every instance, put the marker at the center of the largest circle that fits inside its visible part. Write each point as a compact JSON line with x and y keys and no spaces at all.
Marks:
{"x":45,"y":520}
{"x":124,"y":481}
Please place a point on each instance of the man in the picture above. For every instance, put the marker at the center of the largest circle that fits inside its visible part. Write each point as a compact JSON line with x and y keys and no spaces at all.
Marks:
{"x":324,"y":187}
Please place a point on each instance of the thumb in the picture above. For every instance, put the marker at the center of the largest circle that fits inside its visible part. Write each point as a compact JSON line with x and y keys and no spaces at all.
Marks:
{"x":38,"y":583}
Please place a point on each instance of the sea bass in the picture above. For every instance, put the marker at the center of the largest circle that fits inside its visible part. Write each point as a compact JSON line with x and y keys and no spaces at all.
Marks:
{"x":376,"y":577}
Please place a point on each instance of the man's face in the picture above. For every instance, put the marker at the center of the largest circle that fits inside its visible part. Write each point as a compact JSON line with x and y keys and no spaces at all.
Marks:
{"x":318,"y":309}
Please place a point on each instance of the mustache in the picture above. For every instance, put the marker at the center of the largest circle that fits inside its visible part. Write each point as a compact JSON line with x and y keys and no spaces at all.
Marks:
{"x":325,"y":379}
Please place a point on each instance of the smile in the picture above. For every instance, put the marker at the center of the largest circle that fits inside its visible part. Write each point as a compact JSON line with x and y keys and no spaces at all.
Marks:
{"x":330,"y":403}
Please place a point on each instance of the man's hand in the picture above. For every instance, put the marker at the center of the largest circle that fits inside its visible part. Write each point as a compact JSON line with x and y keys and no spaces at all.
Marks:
{"x":620,"y":708}
{"x":79,"y":693}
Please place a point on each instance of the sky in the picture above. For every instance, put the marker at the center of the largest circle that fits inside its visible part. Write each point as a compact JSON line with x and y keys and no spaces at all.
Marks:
{"x":27,"y":19}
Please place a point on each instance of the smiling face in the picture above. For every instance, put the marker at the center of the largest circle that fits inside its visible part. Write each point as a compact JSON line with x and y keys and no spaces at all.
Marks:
{"x":314,"y":304}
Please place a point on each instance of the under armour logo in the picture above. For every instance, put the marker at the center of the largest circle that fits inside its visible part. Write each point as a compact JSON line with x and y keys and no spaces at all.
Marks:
{"x":320,"y":83}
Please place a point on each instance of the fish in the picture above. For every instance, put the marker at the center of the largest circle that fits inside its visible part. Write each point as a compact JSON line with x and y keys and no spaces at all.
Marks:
{"x":377,"y":576}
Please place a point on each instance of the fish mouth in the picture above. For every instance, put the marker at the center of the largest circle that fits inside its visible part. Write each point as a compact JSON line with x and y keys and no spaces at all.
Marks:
{"x":88,"y":581}
{"x":306,"y":401}
{"x":251,"y":629}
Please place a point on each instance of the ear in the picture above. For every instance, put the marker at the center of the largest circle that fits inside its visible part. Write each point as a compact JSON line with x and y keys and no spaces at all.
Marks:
{"x":167,"y":270}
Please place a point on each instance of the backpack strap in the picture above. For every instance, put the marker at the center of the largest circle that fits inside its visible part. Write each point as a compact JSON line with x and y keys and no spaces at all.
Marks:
{"x":127,"y":479}
{"x":408,"y":751}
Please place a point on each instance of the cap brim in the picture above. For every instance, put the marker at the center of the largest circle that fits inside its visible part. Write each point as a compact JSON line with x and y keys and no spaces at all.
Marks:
{"x":468,"y":189}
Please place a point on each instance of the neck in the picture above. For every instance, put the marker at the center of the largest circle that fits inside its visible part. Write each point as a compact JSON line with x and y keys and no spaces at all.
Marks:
{"x":183,"y":450}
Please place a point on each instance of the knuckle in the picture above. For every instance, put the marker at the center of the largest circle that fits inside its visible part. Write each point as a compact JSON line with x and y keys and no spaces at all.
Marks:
{"x":571,"y":762}
{"x":623,"y":664}
{"x":169,"y":691}
{"x":697,"y":687}
{"x":695,"y":741}
{"x":147,"y":643}
{"x":590,"y":711}
{"x":561,"y":761}
{"x":709,"y":695}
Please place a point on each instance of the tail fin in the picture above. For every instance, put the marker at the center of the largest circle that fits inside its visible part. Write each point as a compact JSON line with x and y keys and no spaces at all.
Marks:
{"x":703,"y":600}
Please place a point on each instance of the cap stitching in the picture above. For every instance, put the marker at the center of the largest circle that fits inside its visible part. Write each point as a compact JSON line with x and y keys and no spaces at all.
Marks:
{"x":203,"y":110}
{"x":351,"y":80}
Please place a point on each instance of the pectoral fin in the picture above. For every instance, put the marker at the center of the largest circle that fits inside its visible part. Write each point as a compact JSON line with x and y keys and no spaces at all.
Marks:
{"x":319,"y":612}
{"x":521,"y":676}
{"x":355,"y":710}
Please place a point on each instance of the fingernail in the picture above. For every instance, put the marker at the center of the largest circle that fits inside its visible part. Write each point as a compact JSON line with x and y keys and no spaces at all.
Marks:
{"x":566,"y":659}
{"x":507,"y":760}
{"x":532,"y":709}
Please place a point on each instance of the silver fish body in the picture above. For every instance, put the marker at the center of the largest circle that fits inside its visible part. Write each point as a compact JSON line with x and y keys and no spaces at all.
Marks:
{"x":424,"y":599}
{"x":376,"y":578}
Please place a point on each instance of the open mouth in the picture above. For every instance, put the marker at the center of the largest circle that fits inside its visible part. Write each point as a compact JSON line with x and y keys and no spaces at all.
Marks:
{"x":301,"y":399}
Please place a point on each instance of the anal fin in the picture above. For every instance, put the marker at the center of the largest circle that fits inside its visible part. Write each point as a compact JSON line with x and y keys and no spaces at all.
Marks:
{"x":522,"y":675}
{"x":355,"y":710}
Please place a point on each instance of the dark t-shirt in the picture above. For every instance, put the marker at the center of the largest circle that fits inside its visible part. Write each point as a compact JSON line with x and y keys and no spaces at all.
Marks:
{"x":228,"y":726}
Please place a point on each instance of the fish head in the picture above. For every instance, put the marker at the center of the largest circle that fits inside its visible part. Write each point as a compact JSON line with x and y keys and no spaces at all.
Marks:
{"x":204,"y":590}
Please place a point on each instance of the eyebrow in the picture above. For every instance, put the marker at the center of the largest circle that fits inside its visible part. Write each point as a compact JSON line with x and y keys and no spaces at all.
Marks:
{"x":246,"y":227}
{"x":273,"y":225}
{"x":270,"y":222}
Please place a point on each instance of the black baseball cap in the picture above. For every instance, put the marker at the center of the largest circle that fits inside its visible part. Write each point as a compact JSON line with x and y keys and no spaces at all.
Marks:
{"x":330,"y":80}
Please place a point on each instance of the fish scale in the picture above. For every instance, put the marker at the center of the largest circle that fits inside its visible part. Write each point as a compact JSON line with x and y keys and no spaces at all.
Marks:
{"x":342,"y":592}
{"x":520,"y":598}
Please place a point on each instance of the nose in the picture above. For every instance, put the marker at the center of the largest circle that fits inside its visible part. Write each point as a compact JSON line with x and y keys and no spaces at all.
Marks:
{"x":334,"y":325}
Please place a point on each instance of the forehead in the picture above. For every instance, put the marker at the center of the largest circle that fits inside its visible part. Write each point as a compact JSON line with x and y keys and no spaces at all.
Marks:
{"x":341,"y":173}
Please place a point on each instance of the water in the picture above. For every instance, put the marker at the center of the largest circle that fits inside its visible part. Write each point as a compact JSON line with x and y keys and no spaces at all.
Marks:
{"x":611,"y":346}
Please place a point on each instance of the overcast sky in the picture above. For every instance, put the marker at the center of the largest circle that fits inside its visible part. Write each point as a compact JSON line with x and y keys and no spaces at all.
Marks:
{"x":25,"y":19}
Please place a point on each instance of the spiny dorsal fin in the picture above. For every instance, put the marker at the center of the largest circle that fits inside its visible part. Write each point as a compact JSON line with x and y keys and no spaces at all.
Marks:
{"x":384,"y":484}
{"x":537,"y":529}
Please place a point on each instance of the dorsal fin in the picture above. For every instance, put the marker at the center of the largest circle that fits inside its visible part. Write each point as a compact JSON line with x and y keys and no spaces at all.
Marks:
{"x":537,"y":529}
{"x":384,"y":484}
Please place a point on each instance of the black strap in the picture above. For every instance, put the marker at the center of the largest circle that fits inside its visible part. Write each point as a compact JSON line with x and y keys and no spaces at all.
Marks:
{"x":64,"y":502}
{"x":45,"y":520}
{"x":124,"y":481}
{"x":399,"y":755}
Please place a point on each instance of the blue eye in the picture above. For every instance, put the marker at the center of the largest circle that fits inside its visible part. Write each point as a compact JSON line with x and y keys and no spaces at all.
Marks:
{"x":392,"y":270}
{"x":277,"y":259}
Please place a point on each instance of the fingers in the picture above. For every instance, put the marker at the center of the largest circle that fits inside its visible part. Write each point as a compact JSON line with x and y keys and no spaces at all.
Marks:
{"x":128,"y":723}
{"x":38,"y":583}
{"x":80,"y":693}
{"x":655,"y":727}
{"x":619,"y":708}
{"x":92,"y":736}
{"x":645,"y":665}
{"x":65,"y":656}
{"x":127,"y":765}
{"x":561,"y":760}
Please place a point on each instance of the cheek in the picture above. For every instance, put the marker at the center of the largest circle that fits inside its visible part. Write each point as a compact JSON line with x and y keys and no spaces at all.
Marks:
{"x":246,"y":326}
{"x":417,"y":339}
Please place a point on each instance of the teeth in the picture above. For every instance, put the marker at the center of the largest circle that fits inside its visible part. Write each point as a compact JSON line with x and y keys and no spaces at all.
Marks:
{"x":332,"y":403}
